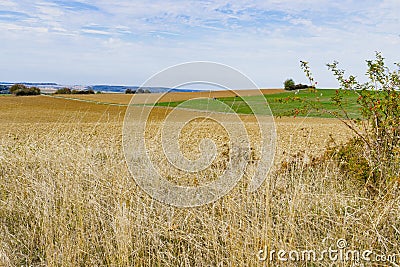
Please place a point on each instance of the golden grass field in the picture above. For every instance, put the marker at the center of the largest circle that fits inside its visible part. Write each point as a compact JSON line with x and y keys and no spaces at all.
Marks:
{"x":67,"y":198}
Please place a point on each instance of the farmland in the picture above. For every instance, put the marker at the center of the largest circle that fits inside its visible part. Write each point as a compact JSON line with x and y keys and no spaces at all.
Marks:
{"x":124,"y":99}
{"x":281,"y":103}
{"x":67,"y":198}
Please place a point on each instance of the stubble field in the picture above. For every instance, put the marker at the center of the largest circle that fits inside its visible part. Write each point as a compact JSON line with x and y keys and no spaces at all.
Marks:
{"x":67,"y":198}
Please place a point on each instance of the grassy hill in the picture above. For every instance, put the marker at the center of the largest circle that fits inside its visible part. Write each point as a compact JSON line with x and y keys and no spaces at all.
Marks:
{"x":281,"y":104}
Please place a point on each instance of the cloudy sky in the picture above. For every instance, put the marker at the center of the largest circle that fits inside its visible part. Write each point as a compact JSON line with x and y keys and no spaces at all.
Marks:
{"x":127,"y":41}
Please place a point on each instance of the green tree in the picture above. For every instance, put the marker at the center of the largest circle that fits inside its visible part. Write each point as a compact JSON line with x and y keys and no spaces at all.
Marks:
{"x":17,"y":87}
{"x":22,"y":90}
{"x":289,"y":84}
{"x":130,"y":91}
{"x":64,"y":91}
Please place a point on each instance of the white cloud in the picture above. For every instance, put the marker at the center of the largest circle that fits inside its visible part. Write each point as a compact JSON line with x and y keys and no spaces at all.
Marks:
{"x":49,"y":12}
{"x":126,"y":41}
{"x":7,"y":4}
{"x":96,"y":32}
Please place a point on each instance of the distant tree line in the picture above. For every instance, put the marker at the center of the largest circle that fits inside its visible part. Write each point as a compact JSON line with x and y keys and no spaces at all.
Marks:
{"x":23,"y":90}
{"x":68,"y":91}
{"x":290,"y":85}
{"x":138,"y":91}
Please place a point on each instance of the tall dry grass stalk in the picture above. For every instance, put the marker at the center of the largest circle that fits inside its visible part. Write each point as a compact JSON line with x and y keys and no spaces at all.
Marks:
{"x":67,"y":199}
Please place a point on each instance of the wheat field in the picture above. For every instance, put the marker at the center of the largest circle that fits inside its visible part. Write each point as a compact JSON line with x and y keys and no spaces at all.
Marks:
{"x":67,"y":198}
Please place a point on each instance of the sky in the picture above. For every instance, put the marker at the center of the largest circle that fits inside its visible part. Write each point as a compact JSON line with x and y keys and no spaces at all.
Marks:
{"x":125,"y":42}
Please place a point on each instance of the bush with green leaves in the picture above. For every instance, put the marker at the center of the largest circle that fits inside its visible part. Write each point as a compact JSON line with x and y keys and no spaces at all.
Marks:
{"x":289,"y":84}
{"x":22,"y":90}
{"x":83,"y":92}
{"x":63,"y":91}
{"x":130,"y":91}
{"x":373,"y":154}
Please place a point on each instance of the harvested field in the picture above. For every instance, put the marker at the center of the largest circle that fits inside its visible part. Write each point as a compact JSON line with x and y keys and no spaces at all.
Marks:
{"x":67,"y":198}
{"x":294,"y":134}
{"x":45,"y":109}
{"x":308,"y":136}
{"x":169,"y":97}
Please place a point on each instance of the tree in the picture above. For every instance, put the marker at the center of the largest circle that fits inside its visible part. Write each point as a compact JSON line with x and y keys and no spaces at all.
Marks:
{"x":64,"y":91}
{"x":130,"y":91}
{"x":82,"y":92}
{"x":17,"y":87}
{"x":289,"y":84}
{"x":22,"y":90}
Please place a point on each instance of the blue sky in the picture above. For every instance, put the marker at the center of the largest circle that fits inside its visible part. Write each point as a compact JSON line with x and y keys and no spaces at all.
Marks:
{"x":125,"y":42}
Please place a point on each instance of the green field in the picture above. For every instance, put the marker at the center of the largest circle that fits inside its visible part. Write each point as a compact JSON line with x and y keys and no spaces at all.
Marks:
{"x":281,"y":104}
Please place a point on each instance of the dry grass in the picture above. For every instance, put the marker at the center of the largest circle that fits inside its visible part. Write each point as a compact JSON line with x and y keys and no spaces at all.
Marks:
{"x":67,"y":199}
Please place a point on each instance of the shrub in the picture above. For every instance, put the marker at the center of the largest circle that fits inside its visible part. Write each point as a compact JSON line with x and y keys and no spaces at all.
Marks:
{"x":17,"y":87}
{"x":22,"y":90}
{"x":82,"y":92}
{"x":350,"y":163}
{"x":302,"y":86}
{"x":130,"y":91}
{"x":63,"y":91}
{"x":290,"y":85}
{"x":373,"y":154}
